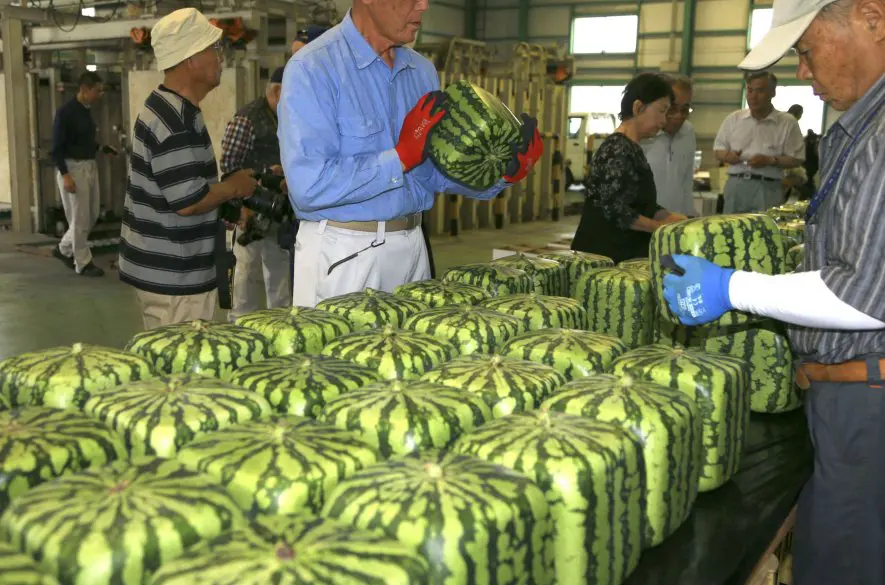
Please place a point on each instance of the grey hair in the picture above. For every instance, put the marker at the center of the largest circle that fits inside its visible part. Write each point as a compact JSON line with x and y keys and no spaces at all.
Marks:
{"x":681,"y":81}
{"x":837,"y":11}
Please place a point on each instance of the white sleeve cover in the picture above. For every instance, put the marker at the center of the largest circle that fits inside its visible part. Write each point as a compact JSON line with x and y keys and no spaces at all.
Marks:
{"x":802,"y":298}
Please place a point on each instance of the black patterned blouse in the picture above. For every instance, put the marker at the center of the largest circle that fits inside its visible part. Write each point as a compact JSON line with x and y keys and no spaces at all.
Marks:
{"x":621,"y":187}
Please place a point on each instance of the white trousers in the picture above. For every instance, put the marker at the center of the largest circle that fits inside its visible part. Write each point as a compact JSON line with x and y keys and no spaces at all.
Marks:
{"x":262,"y":271}
{"x":383,"y":261}
{"x":81,"y":210}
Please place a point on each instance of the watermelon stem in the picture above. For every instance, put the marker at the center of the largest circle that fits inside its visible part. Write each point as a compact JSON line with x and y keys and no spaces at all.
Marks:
{"x":285,"y":552}
{"x":116,"y":489}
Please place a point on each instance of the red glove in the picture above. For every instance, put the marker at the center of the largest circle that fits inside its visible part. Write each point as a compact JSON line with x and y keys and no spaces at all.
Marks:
{"x":527,"y":152}
{"x":412,"y":144}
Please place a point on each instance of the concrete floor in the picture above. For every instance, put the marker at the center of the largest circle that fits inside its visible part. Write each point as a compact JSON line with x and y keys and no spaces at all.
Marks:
{"x":43,"y":304}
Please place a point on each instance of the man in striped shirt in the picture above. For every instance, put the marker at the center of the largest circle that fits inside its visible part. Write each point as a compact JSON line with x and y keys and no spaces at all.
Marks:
{"x":836,"y":304}
{"x":170,"y":217}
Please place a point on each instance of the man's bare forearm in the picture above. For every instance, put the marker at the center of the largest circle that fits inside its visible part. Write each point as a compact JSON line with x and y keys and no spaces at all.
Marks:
{"x":218,"y":194}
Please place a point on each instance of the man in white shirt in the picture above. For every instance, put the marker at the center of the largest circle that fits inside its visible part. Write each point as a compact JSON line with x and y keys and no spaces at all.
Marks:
{"x":671,"y":153}
{"x":758,"y":144}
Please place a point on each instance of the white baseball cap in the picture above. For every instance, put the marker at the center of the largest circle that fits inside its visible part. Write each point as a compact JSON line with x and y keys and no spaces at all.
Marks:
{"x":182,"y":34}
{"x":789,"y":22}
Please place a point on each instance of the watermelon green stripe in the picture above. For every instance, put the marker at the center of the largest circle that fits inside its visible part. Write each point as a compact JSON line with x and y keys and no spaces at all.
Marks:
{"x":793,"y":229}
{"x":749,"y":241}
{"x":302,"y":384}
{"x":159,"y":416}
{"x":496,"y":279}
{"x":541,"y":312}
{"x":571,"y":352}
{"x":668,"y":426}
{"x":472,"y":144}
{"x":371,"y":309}
{"x":436,"y":293}
{"x":297,"y":550}
{"x":506,"y":384}
{"x":65,"y":377}
{"x":393,"y":353}
{"x":399,"y":417}
{"x":115,"y":525}
{"x":764,"y":345}
{"x":550,"y":277}
{"x":592,"y":475}
{"x":795,"y":256}
{"x":619,"y":302}
{"x":17,"y":568}
{"x":474,"y":522}
{"x":576,"y":264}
{"x":720,"y":386}
{"x":200,"y":347}
{"x":39,"y":443}
{"x":279,"y":465}
{"x":471,"y":329}
{"x":296,"y":329}
{"x":636,"y":264}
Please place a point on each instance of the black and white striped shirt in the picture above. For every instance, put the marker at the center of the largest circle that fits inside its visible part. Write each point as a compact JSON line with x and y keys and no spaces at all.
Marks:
{"x":846,"y":238}
{"x":171,"y":167}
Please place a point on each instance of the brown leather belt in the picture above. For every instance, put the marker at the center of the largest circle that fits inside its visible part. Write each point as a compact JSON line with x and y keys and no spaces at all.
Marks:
{"x":392,"y":225}
{"x":853,"y":371}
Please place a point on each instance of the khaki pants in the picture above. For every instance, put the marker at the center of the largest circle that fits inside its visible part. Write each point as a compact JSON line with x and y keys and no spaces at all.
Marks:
{"x":158,"y":310}
{"x":81,"y":210}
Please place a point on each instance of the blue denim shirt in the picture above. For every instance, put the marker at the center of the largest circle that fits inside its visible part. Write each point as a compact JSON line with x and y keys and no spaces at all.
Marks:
{"x":340,"y":115}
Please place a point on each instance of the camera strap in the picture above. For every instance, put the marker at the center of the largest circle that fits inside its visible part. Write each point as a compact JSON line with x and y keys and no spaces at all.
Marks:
{"x":225,"y":264}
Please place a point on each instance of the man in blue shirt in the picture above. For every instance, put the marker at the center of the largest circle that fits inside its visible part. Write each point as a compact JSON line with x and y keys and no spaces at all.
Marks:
{"x":352,"y":141}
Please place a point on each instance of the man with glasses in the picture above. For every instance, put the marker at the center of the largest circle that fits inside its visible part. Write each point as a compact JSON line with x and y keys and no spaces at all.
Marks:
{"x":170,"y":216}
{"x":671,"y":153}
{"x":758,"y":144}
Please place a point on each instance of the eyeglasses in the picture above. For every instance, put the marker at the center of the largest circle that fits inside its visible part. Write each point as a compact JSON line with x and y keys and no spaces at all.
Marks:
{"x":218,"y":46}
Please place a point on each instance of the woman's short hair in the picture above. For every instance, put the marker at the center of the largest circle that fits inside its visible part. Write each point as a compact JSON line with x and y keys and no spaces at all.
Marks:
{"x":647,"y":88}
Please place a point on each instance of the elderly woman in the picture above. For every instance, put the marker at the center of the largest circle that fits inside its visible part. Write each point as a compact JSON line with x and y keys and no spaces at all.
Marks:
{"x":621,"y":209}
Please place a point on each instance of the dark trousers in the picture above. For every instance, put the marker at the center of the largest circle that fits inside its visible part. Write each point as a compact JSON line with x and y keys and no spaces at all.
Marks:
{"x":840,"y":523}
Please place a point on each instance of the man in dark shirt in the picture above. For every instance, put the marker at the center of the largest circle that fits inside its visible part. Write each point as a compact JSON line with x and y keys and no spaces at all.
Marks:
{"x":250,"y":142}
{"x":74,"y":148}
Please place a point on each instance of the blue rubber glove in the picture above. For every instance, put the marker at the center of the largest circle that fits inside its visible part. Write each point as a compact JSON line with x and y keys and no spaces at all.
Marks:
{"x":701,"y":294}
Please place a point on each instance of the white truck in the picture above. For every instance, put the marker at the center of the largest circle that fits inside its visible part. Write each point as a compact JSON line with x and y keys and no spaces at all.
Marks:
{"x":585,"y":132}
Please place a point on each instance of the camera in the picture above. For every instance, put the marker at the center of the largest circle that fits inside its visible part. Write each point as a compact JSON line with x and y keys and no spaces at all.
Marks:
{"x":269,"y":206}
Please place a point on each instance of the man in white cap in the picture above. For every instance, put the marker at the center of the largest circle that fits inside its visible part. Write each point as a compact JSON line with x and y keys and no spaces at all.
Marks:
{"x":357,"y":108}
{"x":170,"y":216}
{"x":836,"y":303}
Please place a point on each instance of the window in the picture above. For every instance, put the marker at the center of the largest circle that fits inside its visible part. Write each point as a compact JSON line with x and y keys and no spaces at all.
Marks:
{"x":92,"y":68}
{"x":88,"y":11}
{"x":597,"y":99}
{"x":605,"y":34}
{"x":760,"y":24}
{"x":813,"y":106}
